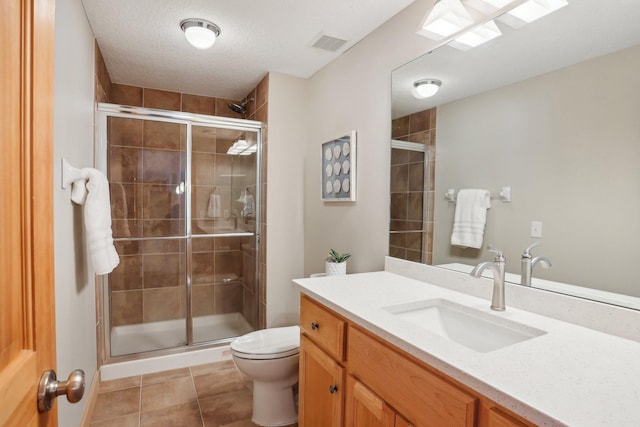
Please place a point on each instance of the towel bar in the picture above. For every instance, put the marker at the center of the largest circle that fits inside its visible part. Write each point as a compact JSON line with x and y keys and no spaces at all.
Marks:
{"x":504,"y":196}
{"x":70,"y":174}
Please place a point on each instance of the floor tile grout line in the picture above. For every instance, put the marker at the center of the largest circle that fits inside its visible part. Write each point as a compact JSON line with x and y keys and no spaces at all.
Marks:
{"x":140,"y":405}
{"x":197,"y":397}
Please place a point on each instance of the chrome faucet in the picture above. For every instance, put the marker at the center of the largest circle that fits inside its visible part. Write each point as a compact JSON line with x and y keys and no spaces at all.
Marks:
{"x":527,"y":263}
{"x":497,"y":269}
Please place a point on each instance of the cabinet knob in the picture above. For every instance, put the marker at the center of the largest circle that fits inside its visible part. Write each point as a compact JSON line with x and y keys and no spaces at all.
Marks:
{"x":333,"y":388}
{"x":314,"y":326}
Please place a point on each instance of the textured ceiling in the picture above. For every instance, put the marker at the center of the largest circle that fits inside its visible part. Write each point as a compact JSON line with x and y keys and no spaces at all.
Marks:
{"x":143,"y":45}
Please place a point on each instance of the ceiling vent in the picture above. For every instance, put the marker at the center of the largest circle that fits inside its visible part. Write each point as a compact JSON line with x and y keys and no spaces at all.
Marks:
{"x":322,"y":41}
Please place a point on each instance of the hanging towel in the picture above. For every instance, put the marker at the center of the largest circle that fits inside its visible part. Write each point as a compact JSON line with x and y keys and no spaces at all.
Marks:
{"x":213,"y":208}
{"x":470,"y":218}
{"x":97,"y":221}
{"x":249,"y":205}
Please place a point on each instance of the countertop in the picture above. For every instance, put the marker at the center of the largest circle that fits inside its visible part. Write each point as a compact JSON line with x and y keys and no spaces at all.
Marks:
{"x":571,"y":375}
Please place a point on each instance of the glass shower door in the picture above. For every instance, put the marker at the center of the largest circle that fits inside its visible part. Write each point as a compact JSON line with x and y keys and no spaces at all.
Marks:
{"x":146,"y":164}
{"x":224,"y":297}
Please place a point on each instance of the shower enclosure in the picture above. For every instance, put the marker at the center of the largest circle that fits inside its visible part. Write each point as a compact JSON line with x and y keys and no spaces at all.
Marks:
{"x":185,"y":219}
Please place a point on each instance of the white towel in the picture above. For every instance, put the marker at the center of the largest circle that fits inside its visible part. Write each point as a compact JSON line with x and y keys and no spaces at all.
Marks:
{"x":97,"y":221}
{"x":470,"y":218}
{"x":249,"y":205}
{"x":213,"y":208}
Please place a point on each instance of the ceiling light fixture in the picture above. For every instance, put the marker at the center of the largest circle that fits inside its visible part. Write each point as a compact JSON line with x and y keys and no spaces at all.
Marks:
{"x":426,"y":88}
{"x":445,"y":19}
{"x":531,"y":11}
{"x":464,"y":24}
{"x":199,"y":33}
{"x":476,"y":36}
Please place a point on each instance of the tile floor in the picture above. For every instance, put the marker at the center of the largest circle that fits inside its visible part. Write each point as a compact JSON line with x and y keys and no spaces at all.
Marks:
{"x":211,"y":395}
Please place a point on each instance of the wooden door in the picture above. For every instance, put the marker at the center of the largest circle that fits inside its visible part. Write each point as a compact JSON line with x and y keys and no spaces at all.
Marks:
{"x":27,"y":329}
{"x":364,"y":408}
{"x":321,"y":387}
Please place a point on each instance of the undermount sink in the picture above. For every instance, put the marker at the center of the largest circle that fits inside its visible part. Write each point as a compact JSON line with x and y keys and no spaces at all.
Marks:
{"x":471,"y":328}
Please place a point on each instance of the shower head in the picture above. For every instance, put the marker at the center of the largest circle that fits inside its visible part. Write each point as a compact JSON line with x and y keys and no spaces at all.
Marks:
{"x":240,"y":108}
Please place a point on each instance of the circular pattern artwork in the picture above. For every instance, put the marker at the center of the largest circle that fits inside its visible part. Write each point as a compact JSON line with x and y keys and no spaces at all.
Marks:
{"x":338,"y":170}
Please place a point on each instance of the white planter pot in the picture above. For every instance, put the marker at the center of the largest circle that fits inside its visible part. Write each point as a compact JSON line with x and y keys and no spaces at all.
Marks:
{"x":335,"y":268}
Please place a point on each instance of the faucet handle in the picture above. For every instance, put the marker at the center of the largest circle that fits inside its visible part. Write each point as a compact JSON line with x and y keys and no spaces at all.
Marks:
{"x":498,"y":252}
{"x":527,"y":252}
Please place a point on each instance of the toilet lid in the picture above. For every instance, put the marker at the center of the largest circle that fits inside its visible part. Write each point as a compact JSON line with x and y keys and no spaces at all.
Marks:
{"x":268,"y":343}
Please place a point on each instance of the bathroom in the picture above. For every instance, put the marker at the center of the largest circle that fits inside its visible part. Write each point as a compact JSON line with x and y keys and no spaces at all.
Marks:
{"x":302,"y":113}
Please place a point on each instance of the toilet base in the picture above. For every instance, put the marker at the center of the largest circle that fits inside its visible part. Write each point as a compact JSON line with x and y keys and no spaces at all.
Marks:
{"x":274,"y":406}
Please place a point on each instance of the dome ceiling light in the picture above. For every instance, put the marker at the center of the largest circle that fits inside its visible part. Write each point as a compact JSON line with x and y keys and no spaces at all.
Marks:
{"x":426,"y":88}
{"x":199,"y":33}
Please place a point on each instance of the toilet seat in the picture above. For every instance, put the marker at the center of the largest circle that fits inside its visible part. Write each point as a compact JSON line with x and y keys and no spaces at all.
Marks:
{"x":272,"y":343}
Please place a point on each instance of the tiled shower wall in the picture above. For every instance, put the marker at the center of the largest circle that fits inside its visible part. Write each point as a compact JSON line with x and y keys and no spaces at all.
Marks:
{"x":149,"y":284}
{"x":258,"y":110}
{"x":412,"y":179}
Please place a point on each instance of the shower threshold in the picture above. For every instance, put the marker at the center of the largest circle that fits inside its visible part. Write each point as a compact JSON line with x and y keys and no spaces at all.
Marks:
{"x":143,"y":337}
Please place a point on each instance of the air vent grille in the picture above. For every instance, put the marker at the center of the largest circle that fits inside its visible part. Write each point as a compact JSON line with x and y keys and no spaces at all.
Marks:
{"x":328,"y":43}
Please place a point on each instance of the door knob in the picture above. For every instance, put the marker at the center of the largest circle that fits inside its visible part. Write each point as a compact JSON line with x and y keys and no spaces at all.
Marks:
{"x":50,"y":388}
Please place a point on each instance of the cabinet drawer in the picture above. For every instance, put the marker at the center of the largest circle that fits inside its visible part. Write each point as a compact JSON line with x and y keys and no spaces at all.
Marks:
{"x":323,"y":327}
{"x":423,"y":397}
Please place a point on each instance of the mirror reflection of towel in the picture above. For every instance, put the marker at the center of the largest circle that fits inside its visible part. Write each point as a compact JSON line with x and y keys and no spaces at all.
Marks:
{"x":213,"y":208}
{"x":470,"y":218}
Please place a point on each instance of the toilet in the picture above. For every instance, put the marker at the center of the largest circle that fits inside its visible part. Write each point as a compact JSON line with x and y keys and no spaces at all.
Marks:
{"x":269,"y":357}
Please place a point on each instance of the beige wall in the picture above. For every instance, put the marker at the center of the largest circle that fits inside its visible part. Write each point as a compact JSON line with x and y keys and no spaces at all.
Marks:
{"x":73,"y":139}
{"x":568,"y":144}
{"x":288,"y":134}
{"x":354,"y":93}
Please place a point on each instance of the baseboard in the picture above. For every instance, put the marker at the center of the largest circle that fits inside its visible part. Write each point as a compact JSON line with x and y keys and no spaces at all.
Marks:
{"x":91,"y":397}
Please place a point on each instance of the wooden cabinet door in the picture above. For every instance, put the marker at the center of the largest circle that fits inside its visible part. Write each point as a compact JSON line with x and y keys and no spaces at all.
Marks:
{"x":27,"y":328}
{"x":321,"y":387}
{"x":498,"y":418}
{"x":402,"y":421}
{"x":364,"y":408}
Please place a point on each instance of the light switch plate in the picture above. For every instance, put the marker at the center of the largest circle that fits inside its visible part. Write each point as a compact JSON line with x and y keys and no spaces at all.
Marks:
{"x":536,"y":229}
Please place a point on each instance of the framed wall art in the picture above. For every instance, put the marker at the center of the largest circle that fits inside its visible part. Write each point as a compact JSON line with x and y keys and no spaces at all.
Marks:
{"x":339,"y":169}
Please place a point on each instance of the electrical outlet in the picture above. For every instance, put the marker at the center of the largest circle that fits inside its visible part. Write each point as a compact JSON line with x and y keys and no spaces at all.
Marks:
{"x":536,"y":229}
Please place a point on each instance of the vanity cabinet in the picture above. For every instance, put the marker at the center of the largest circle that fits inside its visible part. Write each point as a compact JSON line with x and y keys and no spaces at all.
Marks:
{"x":322,"y":372}
{"x":366,"y":409}
{"x":351,"y":377}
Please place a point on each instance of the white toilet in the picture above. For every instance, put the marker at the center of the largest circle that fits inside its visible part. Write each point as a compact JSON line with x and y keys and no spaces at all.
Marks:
{"x":270,"y":358}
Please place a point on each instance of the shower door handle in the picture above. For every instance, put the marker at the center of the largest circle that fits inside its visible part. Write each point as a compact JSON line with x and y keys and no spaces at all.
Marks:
{"x":50,"y":388}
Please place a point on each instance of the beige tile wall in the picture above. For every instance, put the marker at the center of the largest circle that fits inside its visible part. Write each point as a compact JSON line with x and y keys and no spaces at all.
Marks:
{"x":408,"y":170}
{"x":259,"y":110}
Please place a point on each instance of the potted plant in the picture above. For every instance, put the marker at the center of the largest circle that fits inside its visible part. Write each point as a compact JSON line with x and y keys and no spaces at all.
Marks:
{"x":336,"y":264}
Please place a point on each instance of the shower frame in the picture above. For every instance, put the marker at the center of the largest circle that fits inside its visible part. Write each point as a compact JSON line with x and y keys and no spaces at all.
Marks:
{"x":102,"y":113}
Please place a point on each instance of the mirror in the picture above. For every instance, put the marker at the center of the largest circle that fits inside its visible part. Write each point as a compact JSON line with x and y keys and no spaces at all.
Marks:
{"x":551,"y":110}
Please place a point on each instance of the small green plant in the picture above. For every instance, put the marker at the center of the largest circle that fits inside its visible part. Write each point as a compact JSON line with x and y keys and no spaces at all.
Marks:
{"x":336,"y":257}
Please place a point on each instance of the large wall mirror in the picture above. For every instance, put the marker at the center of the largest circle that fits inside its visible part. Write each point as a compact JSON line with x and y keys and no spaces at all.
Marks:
{"x":552,"y":110}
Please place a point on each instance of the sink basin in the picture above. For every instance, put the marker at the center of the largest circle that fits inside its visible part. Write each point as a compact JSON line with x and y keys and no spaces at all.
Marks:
{"x":471,"y":328}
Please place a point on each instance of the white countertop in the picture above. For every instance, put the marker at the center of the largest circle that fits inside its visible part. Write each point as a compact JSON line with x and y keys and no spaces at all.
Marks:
{"x":571,"y":375}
